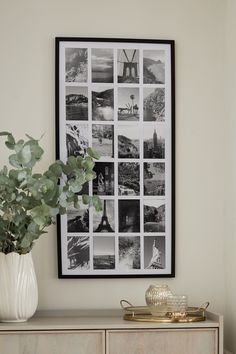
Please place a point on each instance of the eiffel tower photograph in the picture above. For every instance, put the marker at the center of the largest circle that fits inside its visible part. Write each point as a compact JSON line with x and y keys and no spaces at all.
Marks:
{"x":104,"y":221}
{"x":128,"y":65}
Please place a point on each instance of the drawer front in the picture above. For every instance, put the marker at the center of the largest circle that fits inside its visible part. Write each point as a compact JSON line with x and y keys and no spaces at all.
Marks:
{"x":194,"y":341}
{"x":79,"y":342}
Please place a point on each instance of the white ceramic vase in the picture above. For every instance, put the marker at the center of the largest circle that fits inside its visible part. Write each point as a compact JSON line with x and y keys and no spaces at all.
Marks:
{"x":18,"y":287}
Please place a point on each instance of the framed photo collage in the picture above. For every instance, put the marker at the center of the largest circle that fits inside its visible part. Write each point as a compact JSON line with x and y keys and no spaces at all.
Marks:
{"x":117,"y":96}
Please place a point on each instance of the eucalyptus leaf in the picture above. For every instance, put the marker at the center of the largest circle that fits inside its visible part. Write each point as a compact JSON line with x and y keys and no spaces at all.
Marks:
{"x":9,"y":145}
{"x":86,"y":199}
{"x":93,"y":153}
{"x":4,"y":133}
{"x":14,"y":161}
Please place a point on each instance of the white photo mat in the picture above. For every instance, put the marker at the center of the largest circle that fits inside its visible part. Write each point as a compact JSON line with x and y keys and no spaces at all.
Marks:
{"x":117,"y":96}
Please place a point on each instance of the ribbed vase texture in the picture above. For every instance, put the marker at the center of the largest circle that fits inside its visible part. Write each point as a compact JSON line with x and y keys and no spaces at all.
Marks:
{"x":18,"y":287}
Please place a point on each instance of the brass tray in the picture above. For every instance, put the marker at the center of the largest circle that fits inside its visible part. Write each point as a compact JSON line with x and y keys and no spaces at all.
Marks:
{"x":143,"y":314}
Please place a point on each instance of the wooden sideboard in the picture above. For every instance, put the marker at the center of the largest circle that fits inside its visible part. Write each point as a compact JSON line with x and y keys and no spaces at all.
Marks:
{"x":107,"y":333}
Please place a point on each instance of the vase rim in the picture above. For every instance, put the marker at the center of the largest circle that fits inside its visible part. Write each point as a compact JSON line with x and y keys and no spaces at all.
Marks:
{"x":159,"y":285}
{"x":15,"y":253}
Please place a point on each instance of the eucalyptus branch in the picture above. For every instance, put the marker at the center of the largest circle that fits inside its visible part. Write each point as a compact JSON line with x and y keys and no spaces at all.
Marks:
{"x":30,"y":202}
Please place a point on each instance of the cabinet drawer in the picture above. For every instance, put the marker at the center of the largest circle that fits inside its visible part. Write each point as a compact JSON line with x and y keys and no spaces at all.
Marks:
{"x":76,"y":342}
{"x":179,"y":341}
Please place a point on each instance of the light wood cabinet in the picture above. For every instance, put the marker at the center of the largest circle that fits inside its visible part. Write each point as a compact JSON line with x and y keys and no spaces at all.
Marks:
{"x":163,"y":342}
{"x":52,"y":343}
{"x":108,"y":333}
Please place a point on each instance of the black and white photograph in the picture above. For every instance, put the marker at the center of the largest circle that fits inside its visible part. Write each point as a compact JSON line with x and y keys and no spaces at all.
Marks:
{"x":129,"y":215}
{"x":153,"y":66}
{"x":104,"y":220}
{"x":154,"y":252}
{"x":154,"y":178}
{"x":78,"y":253}
{"x":128,"y":103}
{"x":154,"y":215}
{"x":117,"y":97}
{"x":102,"y":65}
{"x":76,"y":103}
{"x":78,"y":219}
{"x":103,"y":184}
{"x":102,"y":103}
{"x":154,"y":141}
{"x":103,"y":139}
{"x":128,"y":178}
{"x":128,"y":142}
{"x":128,"y":66}
{"x":129,"y":252}
{"x":154,"y":104}
{"x":104,"y":252}
{"x":76,"y":62}
{"x":77,"y":139}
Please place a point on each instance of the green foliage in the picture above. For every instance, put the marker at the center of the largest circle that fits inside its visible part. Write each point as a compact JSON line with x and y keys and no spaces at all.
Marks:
{"x":29,"y":202}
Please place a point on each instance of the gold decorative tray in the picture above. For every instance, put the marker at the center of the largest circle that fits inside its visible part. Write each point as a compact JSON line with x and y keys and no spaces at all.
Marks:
{"x":143,"y":314}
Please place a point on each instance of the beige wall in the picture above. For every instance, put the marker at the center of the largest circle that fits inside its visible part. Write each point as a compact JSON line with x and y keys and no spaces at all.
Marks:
{"x":28,"y":28}
{"x":230,"y":178}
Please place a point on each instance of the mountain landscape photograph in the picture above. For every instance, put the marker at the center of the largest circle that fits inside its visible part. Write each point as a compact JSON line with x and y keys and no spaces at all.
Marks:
{"x":128,"y":142}
{"x":76,"y":103}
{"x":154,"y":216}
{"x":153,"y":66}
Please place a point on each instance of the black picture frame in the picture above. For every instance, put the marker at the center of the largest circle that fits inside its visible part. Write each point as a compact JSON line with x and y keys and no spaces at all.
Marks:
{"x":118,"y":95}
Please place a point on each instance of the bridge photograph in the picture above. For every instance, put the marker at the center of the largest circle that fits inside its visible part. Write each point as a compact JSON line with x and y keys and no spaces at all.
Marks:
{"x":128,"y":66}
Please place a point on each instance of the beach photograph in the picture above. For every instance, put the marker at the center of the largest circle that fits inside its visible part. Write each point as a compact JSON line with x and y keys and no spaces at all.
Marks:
{"x":102,"y":65}
{"x":104,"y":252}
